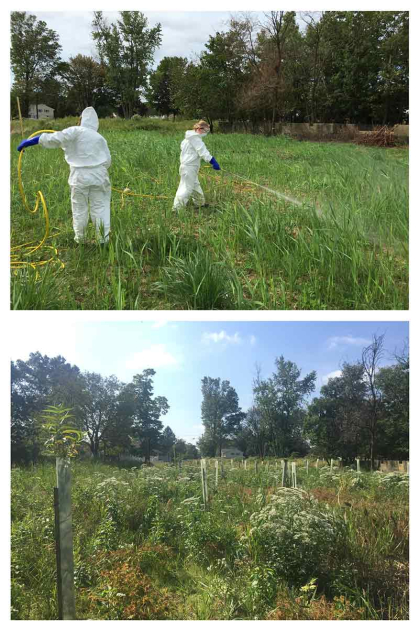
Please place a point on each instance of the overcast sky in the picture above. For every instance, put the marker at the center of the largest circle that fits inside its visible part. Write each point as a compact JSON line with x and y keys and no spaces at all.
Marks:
{"x":182,"y":353}
{"x":184,"y":34}
{"x":185,"y":31}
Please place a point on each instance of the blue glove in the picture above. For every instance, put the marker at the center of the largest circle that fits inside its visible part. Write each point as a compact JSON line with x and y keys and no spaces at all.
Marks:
{"x":214,"y":164}
{"x":28,"y":143}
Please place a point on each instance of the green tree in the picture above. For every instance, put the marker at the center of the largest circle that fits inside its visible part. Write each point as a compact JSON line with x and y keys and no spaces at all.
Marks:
{"x":127,"y":48}
{"x":164,"y":85}
{"x":191,"y":451}
{"x":101,"y":414}
{"x":167,"y":441}
{"x":207,"y":445}
{"x":138,"y":402}
{"x":85,"y":81}
{"x":36,"y":383}
{"x":364,"y":66}
{"x":34,"y":55}
{"x":334,"y":423}
{"x":224,"y":67}
{"x":193,"y":98}
{"x":280,"y":401}
{"x":393,"y":426}
{"x":255,"y":437}
{"x":220,"y":413}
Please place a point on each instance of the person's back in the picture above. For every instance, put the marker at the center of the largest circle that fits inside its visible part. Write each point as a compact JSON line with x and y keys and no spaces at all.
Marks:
{"x":84,"y":148}
{"x":87,"y":154}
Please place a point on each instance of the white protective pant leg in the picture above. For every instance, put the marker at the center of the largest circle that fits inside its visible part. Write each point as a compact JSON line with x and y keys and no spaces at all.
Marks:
{"x":100,"y":210}
{"x":189,"y":187}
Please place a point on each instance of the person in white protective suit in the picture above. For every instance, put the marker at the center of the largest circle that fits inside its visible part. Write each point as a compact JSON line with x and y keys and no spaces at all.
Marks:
{"x":192,"y":150}
{"x":87,"y":153}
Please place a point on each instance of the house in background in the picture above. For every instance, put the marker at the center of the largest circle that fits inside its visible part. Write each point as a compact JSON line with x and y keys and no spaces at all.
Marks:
{"x":160,"y":457}
{"x":40,"y":111}
{"x":231,"y":453}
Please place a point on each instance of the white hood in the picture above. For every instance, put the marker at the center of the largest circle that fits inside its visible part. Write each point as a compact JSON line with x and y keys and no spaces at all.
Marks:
{"x":83,"y":147}
{"x":89,"y":119}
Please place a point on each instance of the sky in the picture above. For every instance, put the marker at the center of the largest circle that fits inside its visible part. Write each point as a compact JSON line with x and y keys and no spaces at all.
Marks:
{"x":184,"y":32}
{"x":183,"y":352}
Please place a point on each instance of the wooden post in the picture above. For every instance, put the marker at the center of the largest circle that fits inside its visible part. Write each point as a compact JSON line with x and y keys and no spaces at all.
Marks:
{"x":64,"y":541}
{"x":216,"y":473}
{"x":331,"y":465}
{"x":256,"y":466}
{"x":307,"y":466}
{"x":245,"y":464}
{"x":317,"y":463}
{"x":358,"y":465}
{"x":20,"y":116}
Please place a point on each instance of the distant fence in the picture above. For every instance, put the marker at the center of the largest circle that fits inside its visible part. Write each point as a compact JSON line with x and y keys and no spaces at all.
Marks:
{"x":394,"y":466}
{"x":307,"y":130}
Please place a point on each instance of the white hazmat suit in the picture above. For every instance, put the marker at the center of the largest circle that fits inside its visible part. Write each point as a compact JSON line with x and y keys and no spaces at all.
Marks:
{"x":192,"y":149}
{"x":87,"y":154}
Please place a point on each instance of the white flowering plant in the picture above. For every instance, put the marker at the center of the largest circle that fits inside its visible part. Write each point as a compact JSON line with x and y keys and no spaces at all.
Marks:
{"x":297,"y":535}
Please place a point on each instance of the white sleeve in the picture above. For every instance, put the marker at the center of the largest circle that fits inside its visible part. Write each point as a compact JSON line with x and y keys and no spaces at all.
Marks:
{"x":108,"y":156}
{"x":201,"y":149}
{"x":59,"y":139}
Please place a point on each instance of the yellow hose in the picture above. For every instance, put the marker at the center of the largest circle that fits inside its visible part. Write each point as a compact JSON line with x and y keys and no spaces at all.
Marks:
{"x":26,"y":249}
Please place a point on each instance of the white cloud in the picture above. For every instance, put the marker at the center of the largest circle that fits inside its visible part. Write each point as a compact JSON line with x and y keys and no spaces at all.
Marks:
{"x":159,"y":324}
{"x":334,"y":374}
{"x":221,"y":337}
{"x":252,"y":340}
{"x":155,"y":356}
{"x":335,"y":342}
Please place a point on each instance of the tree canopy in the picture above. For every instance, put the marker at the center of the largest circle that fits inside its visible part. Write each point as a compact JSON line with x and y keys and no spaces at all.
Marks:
{"x":325,"y":66}
{"x":363,"y":411}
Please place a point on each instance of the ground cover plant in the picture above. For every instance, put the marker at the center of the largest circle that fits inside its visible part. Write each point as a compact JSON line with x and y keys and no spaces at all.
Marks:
{"x":335,"y":547}
{"x":344,"y":247}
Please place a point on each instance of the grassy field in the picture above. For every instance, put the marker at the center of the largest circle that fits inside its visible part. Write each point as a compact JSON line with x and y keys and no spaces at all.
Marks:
{"x":334,"y":548}
{"x":345,"y":247}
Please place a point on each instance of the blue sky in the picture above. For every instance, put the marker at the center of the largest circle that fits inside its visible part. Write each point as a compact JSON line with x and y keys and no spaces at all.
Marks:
{"x":182,"y":353}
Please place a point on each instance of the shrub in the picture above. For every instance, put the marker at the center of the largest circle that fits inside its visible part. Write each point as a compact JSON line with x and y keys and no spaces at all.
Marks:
{"x":125,"y":592}
{"x":297,"y":536}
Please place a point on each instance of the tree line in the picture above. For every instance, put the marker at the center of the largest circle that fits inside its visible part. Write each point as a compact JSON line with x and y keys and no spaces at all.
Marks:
{"x":114,"y":417}
{"x":362,"y":412}
{"x":343,"y":66}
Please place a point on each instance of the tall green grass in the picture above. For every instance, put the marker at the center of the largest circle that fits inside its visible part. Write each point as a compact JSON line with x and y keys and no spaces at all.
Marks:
{"x":345,"y":247}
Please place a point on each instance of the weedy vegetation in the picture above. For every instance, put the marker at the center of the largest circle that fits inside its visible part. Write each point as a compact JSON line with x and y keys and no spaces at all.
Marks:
{"x":345,"y":247}
{"x":335,"y":547}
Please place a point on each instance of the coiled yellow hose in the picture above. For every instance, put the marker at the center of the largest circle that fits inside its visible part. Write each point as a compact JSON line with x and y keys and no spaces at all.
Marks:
{"x":27,"y":249}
